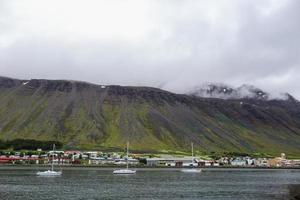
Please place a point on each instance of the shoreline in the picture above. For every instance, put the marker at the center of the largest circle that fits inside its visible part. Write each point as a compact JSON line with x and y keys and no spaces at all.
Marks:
{"x":33,"y":166}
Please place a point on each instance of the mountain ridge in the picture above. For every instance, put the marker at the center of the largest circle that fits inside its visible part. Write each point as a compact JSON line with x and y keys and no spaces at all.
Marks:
{"x":90,"y":116}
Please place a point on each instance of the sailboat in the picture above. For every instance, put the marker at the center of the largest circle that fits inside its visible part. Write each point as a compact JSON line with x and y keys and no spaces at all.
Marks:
{"x":192,"y":170}
{"x":50,"y":172}
{"x":127,"y":170}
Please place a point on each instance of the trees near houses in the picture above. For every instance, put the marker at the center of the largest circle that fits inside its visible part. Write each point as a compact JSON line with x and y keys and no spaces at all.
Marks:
{"x":28,"y":144}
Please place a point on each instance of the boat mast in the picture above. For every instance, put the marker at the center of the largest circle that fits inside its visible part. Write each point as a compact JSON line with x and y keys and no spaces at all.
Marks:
{"x":52,"y":157}
{"x":192,"y":152}
{"x":127,"y":155}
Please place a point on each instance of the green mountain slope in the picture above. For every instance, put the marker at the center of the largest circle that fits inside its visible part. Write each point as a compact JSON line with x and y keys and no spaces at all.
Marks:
{"x":90,"y":116}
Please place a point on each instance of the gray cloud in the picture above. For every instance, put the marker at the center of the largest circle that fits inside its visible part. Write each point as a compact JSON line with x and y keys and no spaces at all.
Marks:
{"x":175,"y":45}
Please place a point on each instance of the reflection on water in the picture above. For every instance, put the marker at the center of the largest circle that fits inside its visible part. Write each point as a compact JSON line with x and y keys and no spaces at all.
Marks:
{"x":148,"y":184}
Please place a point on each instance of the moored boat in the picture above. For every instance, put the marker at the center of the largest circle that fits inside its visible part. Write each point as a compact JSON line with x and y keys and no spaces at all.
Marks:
{"x":124,"y":171}
{"x":192,"y":170}
{"x":50,"y":172}
{"x":127,"y":170}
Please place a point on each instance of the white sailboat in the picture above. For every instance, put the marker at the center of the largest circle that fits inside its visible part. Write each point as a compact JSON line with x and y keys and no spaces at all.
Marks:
{"x":127,"y":170}
{"x":50,"y":172}
{"x":192,"y":170}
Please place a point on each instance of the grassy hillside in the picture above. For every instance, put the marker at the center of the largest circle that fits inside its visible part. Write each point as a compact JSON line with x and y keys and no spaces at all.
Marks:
{"x":87,"y":116}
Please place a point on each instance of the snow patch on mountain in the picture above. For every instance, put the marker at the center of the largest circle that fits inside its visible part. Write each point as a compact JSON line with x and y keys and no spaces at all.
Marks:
{"x":223,"y":91}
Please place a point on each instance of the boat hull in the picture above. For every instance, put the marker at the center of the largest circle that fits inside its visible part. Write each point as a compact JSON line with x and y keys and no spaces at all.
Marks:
{"x":191,"y":170}
{"x":49,"y":173}
{"x":124,"y":171}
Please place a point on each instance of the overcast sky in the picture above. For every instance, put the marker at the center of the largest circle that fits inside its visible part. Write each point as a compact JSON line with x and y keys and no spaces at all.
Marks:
{"x":172,"y":44}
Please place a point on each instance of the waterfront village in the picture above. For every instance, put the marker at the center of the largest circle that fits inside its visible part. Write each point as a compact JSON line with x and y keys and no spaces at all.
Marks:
{"x":96,"y":158}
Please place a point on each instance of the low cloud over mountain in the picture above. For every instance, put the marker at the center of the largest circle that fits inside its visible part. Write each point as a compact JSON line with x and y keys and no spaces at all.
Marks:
{"x":176,"y":45}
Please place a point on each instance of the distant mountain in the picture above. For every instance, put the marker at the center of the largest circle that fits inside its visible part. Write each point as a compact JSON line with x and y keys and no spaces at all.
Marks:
{"x":223,"y":91}
{"x":89,"y":116}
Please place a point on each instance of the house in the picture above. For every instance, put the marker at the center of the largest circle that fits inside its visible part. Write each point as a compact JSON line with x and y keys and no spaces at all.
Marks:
{"x":249,"y":161}
{"x":91,"y":154}
{"x":123,"y":161}
{"x":275,"y":162}
{"x":278,"y":161}
{"x":171,"y":161}
{"x":261,"y":162}
{"x":73,"y":155}
{"x":295,"y":163}
{"x":238,"y":162}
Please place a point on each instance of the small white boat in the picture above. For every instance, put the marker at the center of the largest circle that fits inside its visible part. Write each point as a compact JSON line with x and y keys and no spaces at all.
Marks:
{"x":125,"y":171}
{"x":50,"y":172}
{"x":191,"y":170}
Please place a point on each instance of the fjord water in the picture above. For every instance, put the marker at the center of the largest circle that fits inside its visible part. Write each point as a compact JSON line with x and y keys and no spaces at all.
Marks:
{"x":87,"y":183}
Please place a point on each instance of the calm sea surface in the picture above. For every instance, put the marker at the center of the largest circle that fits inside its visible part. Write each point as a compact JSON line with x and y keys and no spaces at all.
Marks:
{"x":22,"y":183}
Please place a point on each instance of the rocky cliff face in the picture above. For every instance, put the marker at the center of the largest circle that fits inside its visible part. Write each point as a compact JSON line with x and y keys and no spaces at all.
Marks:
{"x":89,"y":116}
